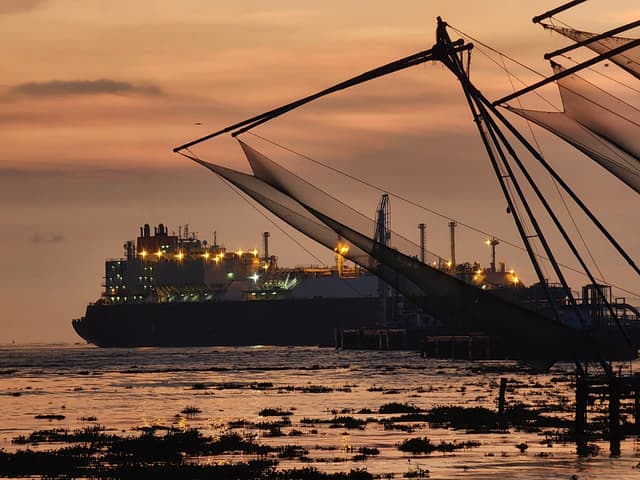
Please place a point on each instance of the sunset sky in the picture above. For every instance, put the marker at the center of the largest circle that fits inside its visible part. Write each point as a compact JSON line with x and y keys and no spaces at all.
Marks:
{"x":95,"y":94}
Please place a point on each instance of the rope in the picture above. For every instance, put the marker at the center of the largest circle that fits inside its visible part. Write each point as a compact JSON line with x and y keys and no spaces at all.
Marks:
{"x":489,"y":47}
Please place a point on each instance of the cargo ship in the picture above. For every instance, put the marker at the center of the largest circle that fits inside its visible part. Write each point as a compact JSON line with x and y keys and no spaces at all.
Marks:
{"x":173,"y":290}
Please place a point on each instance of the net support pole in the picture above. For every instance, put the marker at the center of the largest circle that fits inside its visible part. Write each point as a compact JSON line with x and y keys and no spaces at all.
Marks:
{"x":570,"y":71}
{"x":561,"y":8}
{"x":593,"y":39}
{"x":386,"y":69}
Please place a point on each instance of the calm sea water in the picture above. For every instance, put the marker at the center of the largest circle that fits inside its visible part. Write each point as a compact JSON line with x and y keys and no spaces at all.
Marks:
{"x":125,"y":389}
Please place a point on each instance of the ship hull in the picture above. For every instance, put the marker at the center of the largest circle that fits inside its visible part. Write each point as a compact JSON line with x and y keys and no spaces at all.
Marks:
{"x":232,"y":323}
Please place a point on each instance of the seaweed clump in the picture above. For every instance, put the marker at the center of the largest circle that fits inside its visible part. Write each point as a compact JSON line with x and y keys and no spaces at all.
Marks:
{"x":395,"y":407}
{"x":99,"y":454}
{"x":175,"y":454}
{"x":423,"y":445}
{"x":483,"y":420}
{"x":274,"y":412}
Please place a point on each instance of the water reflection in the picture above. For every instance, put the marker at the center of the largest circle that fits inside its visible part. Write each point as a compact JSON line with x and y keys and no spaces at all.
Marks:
{"x":325,"y":406}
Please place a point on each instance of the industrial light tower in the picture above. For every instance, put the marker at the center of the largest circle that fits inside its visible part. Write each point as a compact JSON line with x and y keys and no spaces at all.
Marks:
{"x":493,"y":243}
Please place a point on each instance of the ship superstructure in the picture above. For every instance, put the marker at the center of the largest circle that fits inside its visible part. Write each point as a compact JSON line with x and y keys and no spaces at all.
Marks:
{"x":161,"y":267}
{"x":166,"y":268}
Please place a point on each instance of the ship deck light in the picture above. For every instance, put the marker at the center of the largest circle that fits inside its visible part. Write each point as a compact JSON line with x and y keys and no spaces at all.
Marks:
{"x":342,"y":249}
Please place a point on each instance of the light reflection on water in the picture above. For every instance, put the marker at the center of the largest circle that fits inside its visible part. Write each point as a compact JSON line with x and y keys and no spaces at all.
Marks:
{"x":129,"y":388}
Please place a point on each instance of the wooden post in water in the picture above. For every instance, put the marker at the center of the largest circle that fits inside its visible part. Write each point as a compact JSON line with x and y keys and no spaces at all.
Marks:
{"x":615,"y":433}
{"x":503,"y":390}
{"x":582,"y":397}
{"x":636,"y":407}
{"x":501,"y":403}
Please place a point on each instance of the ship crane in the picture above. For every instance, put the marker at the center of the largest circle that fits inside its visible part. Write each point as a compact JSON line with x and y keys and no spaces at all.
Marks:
{"x":382,"y":235}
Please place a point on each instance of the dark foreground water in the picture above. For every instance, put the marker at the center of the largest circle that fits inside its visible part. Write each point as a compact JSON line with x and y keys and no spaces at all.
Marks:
{"x":330,"y":401}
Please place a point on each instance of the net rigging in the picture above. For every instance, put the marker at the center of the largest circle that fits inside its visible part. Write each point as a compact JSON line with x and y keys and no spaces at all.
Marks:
{"x":405,"y":271}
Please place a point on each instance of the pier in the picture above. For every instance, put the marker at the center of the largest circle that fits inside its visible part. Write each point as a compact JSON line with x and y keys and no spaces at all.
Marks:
{"x":375,"y":339}
{"x":447,"y":347}
{"x":615,"y":389}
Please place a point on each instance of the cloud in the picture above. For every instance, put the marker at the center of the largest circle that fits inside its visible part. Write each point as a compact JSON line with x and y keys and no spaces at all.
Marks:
{"x":47,"y":238}
{"x":56,"y":88}
{"x":19,"y":6}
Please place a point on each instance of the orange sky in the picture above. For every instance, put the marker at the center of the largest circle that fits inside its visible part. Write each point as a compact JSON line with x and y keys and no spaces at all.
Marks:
{"x":94,"y":95}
